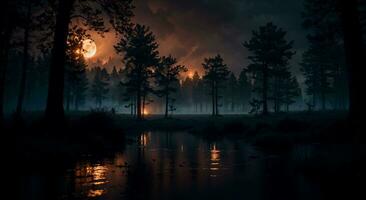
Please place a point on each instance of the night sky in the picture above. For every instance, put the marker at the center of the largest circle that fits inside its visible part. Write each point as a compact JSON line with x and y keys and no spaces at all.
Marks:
{"x":193,"y":29}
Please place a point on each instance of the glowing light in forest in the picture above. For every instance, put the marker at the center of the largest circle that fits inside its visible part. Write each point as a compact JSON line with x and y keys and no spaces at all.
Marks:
{"x":190,"y":74}
{"x":145,"y":112}
{"x":89,"y":48}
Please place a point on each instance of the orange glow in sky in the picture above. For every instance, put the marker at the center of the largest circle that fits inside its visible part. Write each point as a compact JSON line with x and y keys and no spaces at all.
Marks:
{"x":190,"y":74}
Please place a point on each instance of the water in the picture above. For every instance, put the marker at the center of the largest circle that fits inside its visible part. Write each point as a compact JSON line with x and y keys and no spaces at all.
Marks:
{"x":162,"y":165}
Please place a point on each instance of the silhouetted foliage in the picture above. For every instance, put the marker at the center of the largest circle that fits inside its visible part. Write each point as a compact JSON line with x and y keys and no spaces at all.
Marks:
{"x":167,"y":73}
{"x":99,"y":87}
{"x":270,"y":53}
{"x":76,"y":82}
{"x":27,"y":23}
{"x":216,"y":73}
{"x":117,"y":11}
{"x":355,"y":57}
{"x":141,"y":57}
{"x":244,"y":90}
{"x":323,"y":63}
{"x":8,"y":16}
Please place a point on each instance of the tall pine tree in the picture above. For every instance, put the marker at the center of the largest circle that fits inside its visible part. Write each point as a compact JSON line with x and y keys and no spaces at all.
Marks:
{"x":216,"y":73}
{"x":269,"y":51}
{"x":141,"y":56}
{"x":167,"y":74}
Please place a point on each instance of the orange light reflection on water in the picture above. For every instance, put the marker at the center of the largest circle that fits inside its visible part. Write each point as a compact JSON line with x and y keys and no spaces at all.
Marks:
{"x":214,"y":158}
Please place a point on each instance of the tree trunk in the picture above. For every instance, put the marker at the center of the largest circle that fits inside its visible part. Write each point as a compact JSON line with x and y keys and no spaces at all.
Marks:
{"x":68,"y":99}
{"x":323,"y":86}
{"x":134,"y":106}
{"x":143,"y":104}
{"x":275,"y":96}
{"x":6,"y":32}
{"x":213,"y":99}
{"x":138,"y":103}
{"x":323,"y":100}
{"x":76,"y":104}
{"x":265,"y":90}
{"x":355,"y":57}
{"x":216,"y":99}
{"x":23,"y":80}
{"x":54,"y":108}
{"x":166,"y":105}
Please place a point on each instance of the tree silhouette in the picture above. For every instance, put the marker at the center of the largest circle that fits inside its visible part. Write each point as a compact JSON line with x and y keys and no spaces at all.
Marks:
{"x":244,"y":89}
{"x":231,"y":92}
{"x":317,"y":73}
{"x":216,"y":73}
{"x":284,"y":88}
{"x":139,"y":49}
{"x":26,"y":22}
{"x":9,"y":15}
{"x":290,"y":90}
{"x":198,"y":92}
{"x":117,"y":11}
{"x":323,"y":61}
{"x":187,"y":90}
{"x":270,"y":50}
{"x":99,"y":87}
{"x":115,"y":86}
{"x":167,"y":74}
{"x":75,"y":70}
{"x":355,"y":56}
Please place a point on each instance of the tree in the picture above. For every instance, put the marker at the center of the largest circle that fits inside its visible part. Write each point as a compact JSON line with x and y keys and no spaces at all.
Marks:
{"x":197,"y":91}
{"x":117,"y":11}
{"x":167,"y":74}
{"x":81,"y":85}
{"x":231,"y":92}
{"x":139,"y":49}
{"x":324,"y":59}
{"x":269,"y":50}
{"x":99,"y":88}
{"x":187,"y":90}
{"x":8,"y":11}
{"x":216,"y":73}
{"x":355,"y":54}
{"x":244,"y":89}
{"x":255,"y":106}
{"x":126,"y":92}
{"x":317,"y":73}
{"x":290,"y":90}
{"x":76,"y":84}
{"x":115,"y":85}
{"x":284,"y":88}
{"x":75,"y":71}
{"x":28,"y":25}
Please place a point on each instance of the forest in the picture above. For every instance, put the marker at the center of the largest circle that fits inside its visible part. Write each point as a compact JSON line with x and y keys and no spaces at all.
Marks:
{"x":61,"y":100}
{"x":267,"y":84}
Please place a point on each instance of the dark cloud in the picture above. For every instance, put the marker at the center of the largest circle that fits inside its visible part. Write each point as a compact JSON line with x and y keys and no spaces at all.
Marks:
{"x":194,"y":29}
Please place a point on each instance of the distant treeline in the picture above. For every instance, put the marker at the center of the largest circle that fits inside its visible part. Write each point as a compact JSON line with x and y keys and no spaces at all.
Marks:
{"x":57,"y":78}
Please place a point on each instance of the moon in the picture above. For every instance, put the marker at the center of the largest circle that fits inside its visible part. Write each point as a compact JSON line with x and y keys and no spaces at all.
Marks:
{"x":89,"y":48}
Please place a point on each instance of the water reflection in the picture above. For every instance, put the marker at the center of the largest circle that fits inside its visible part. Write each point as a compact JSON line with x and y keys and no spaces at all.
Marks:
{"x":90,"y":178}
{"x":144,"y":139}
{"x":163,"y":165}
{"x":215,"y":159}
